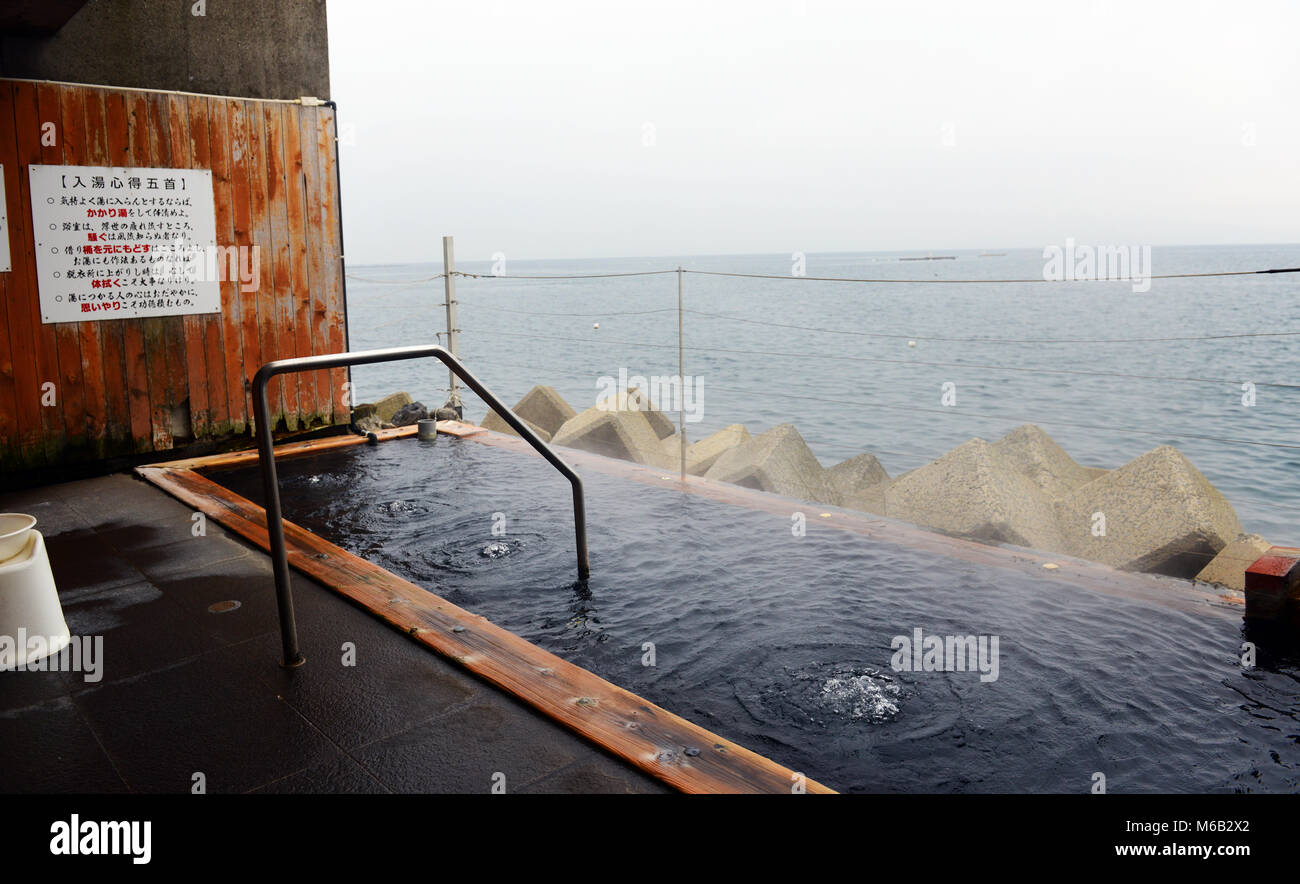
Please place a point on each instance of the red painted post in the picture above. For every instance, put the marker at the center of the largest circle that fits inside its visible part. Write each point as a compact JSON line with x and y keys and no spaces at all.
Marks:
{"x":1273,"y":583}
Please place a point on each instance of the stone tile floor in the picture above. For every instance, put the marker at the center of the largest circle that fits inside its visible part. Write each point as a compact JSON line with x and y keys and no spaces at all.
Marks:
{"x":187,"y":691}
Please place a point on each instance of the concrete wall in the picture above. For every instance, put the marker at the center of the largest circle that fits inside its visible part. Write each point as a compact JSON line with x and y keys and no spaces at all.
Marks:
{"x":245,"y":48}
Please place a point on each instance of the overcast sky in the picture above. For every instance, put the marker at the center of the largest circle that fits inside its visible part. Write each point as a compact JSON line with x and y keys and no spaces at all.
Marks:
{"x":565,"y":129}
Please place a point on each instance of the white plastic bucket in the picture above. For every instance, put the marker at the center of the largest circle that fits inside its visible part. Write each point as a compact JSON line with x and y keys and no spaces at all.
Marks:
{"x":29,"y":606}
{"x":15,"y":531}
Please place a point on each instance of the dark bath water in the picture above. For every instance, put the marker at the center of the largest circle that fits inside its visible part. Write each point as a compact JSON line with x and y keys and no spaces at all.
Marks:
{"x":783,"y":643}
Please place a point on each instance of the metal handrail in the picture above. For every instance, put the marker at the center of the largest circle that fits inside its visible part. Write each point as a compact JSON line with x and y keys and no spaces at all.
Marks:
{"x":271,"y":485}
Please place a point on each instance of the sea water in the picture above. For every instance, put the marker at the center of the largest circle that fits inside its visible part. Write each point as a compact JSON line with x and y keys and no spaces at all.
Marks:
{"x":1096,"y":364}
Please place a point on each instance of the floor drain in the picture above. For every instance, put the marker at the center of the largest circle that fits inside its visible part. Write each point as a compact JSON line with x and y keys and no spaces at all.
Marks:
{"x":223,"y":607}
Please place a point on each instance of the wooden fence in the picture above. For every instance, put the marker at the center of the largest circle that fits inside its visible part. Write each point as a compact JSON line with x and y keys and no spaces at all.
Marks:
{"x":131,"y":386}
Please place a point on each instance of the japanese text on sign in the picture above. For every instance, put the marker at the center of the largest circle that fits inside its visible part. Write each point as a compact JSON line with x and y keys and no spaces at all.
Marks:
{"x":119,"y":243}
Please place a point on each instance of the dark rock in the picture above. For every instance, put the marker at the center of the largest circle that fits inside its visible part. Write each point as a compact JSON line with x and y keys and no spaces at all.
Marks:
{"x":367,"y":424}
{"x":388,"y":406}
{"x":409,"y":414}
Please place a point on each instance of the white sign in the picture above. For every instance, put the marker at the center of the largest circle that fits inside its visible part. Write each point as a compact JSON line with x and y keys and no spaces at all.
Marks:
{"x":4,"y":226}
{"x":120,"y":243}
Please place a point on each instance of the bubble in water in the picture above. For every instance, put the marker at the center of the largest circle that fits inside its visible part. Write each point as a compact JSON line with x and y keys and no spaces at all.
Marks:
{"x":824,"y":695}
{"x":870,"y":695}
{"x":495,"y":550}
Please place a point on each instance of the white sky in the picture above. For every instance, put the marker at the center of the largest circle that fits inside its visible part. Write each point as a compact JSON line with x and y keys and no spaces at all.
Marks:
{"x":812,"y":126}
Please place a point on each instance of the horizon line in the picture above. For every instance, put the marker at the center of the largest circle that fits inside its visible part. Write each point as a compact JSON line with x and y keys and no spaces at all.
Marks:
{"x":831,"y":252}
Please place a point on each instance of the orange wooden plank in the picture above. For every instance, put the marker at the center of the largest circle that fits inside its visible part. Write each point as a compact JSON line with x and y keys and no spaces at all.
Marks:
{"x":295,"y":205}
{"x":231,"y":328}
{"x":117,"y":427}
{"x":144,"y":148}
{"x":68,"y":391}
{"x":217,"y":413}
{"x":117,"y":128}
{"x":315,"y":257}
{"x":243,"y":231}
{"x":332,"y":233}
{"x":294,"y":449}
{"x":14,"y":430}
{"x":27,"y":121}
{"x":167,"y":354}
{"x":634,"y":729}
{"x":24,"y":442}
{"x":22,"y":315}
{"x":280,"y":258}
{"x":91,"y":370}
{"x":171,"y":150}
{"x":261,"y":233}
{"x":132,"y":336}
{"x":76,"y":151}
{"x":143,"y":336}
{"x":248,"y":457}
{"x":192,"y":339}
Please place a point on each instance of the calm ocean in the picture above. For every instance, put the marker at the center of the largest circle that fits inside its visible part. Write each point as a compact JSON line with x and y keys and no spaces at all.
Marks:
{"x":1105,"y":400}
